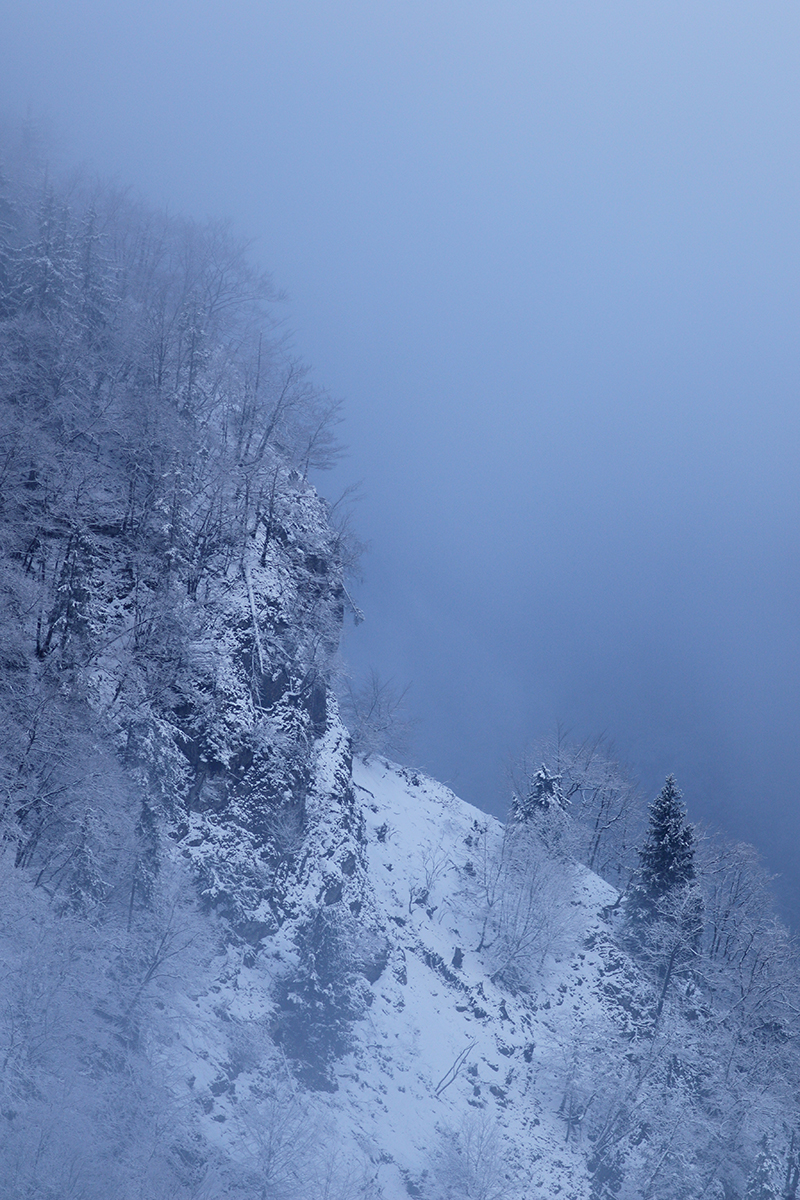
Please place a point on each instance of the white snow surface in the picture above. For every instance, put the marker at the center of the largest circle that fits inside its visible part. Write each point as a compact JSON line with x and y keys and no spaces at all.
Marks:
{"x":442,"y":1052}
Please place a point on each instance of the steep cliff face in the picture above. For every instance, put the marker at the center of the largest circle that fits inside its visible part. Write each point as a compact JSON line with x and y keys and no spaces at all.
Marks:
{"x":172,"y":584}
{"x":171,"y":601}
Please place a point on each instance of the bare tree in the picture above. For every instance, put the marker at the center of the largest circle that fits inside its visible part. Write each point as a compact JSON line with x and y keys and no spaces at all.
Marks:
{"x":375,"y":713}
{"x":469,"y":1162}
{"x":525,"y":893}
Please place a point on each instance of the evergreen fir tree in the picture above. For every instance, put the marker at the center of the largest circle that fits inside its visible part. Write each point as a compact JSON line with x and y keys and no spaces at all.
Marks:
{"x":543,"y":795}
{"x":666,"y":861}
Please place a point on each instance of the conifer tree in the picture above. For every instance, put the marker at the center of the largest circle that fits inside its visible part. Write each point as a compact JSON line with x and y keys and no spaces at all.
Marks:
{"x":543,"y":793}
{"x":666,"y":861}
{"x":665,"y":908}
{"x":667,"y":857}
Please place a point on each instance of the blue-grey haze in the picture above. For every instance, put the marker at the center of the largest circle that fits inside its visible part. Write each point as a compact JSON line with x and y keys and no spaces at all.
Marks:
{"x":548,"y":252}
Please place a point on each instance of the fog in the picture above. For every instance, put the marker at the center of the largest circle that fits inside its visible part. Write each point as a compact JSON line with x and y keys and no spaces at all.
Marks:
{"x":548,"y":255}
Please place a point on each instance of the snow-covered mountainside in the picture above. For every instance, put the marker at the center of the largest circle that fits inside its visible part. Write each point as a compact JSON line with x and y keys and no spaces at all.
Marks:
{"x":447,"y":1049}
{"x":449,"y":1080}
{"x":483,"y":1033}
{"x":234,"y":961}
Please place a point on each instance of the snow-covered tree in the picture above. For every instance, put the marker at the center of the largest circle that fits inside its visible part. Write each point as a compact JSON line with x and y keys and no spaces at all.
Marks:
{"x":585,"y":780}
{"x":540,"y":794}
{"x":762,"y":1184}
{"x":376,"y":715}
{"x":666,"y":860}
{"x":664,"y":910}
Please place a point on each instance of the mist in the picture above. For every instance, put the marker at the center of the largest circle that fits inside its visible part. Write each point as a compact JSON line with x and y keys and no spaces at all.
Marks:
{"x":548,"y":255}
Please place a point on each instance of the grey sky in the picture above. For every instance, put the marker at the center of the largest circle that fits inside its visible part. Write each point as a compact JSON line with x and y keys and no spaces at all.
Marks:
{"x":548,"y":252}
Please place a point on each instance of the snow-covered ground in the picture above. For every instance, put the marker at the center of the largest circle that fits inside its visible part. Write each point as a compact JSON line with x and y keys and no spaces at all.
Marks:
{"x":450,"y":1074}
{"x":443,"y":1050}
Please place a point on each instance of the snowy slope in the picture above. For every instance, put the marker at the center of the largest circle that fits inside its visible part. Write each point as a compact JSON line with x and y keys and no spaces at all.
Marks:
{"x":429,"y":1016}
{"x":450,"y":1076}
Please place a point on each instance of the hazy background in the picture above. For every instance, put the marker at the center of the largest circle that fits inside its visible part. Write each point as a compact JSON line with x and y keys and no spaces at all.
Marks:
{"x":548,"y":252}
